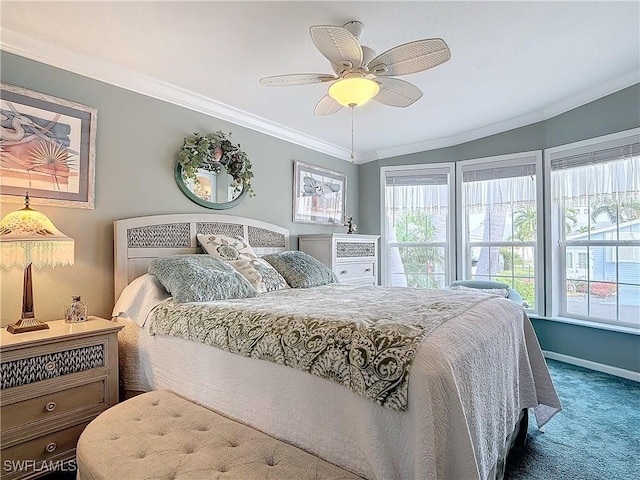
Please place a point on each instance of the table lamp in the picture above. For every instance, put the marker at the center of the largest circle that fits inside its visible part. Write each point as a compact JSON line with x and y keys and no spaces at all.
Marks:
{"x":28,"y":237}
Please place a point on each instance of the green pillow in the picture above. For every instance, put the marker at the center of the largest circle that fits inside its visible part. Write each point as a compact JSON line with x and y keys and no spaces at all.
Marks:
{"x":301,"y":270}
{"x":200,"y":278}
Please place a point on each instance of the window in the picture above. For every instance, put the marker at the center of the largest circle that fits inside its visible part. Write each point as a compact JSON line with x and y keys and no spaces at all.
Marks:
{"x":587,"y":223}
{"x":582,"y":259}
{"x":594,"y":208}
{"x":417,"y":206}
{"x":499,"y":221}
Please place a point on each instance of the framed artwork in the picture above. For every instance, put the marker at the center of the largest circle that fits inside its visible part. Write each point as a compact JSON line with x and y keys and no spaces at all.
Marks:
{"x":47,"y":147}
{"x":319,"y":195}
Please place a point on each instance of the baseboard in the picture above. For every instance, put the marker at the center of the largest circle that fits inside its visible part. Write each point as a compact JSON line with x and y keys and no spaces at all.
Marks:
{"x":599,"y":367}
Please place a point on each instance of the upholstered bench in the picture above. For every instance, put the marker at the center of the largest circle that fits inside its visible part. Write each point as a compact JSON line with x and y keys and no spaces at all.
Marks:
{"x":159,"y":435}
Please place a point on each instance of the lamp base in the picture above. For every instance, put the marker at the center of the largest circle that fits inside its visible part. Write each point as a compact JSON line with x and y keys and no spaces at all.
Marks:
{"x":27,"y":325}
{"x":28,"y":321}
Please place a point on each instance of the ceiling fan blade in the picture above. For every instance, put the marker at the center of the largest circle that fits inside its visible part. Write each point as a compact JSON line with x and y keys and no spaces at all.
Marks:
{"x":296,"y":79}
{"x":337,"y":44}
{"x":410,"y":58}
{"x":327,"y":106}
{"x":396,"y":93}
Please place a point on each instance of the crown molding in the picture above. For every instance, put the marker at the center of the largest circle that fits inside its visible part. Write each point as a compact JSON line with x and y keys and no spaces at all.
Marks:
{"x":550,"y":111}
{"x":82,"y":64}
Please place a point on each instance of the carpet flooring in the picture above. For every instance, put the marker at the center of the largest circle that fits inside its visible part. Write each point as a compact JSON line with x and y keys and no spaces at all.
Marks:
{"x":595,"y":436}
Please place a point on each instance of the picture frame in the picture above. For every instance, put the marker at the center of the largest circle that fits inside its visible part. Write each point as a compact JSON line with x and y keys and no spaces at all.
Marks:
{"x":47,"y":149}
{"x":319,"y":195}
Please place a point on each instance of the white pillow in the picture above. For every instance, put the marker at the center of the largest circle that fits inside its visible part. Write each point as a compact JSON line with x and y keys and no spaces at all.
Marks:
{"x":239,"y":254}
{"x":261,"y":275}
{"x":139,"y":298}
{"x":226,"y":248}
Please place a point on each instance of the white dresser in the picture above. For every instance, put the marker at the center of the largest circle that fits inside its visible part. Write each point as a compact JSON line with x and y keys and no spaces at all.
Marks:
{"x":352,"y":257}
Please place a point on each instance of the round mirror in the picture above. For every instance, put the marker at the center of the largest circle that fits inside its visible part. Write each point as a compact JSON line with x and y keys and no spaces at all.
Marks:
{"x":210,"y":189}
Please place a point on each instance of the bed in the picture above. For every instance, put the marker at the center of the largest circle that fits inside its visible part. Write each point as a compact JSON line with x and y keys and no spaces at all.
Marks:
{"x":471,"y":375}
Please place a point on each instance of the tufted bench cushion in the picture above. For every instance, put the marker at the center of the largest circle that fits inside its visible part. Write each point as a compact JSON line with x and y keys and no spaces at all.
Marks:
{"x":159,"y":435}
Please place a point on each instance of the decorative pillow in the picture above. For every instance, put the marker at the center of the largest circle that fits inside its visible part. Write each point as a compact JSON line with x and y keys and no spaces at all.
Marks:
{"x":200,"y":278}
{"x":503,"y":292}
{"x":239,"y":254}
{"x":262,"y":276}
{"x":226,"y":248}
{"x":301,"y":270}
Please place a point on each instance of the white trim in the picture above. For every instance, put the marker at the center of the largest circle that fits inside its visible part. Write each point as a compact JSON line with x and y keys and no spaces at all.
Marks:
{"x":599,"y":367}
{"x":612,"y":327}
{"x":72,"y":61}
{"x":450,"y":272}
{"x":554,"y":260}
{"x":607,"y":141}
{"x":600,"y":91}
{"x":19,"y":44}
{"x":493,"y":162}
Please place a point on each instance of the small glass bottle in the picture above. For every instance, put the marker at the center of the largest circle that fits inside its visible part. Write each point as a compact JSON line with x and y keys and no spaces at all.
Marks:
{"x":76,"y":312}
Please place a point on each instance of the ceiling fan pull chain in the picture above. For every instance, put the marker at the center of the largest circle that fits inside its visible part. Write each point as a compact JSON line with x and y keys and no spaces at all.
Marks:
{"x":352,"y":155}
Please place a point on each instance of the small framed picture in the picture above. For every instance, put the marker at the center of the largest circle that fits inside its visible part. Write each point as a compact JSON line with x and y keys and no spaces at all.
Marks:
{"x":47,"y":148}
{"x":319,"y":195}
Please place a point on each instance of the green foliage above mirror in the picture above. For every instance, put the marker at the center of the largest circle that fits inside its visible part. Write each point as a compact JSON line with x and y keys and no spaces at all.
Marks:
{"x":215,"y":152}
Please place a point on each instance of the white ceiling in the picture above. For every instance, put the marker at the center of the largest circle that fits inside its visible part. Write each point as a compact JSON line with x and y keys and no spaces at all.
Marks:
{"x":513,"y":63}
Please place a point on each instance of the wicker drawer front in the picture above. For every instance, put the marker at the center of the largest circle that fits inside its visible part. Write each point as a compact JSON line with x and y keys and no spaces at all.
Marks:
{"x":47,"y":447}
{"x":349,"y":271}
{"x":355,"y":249}
{"x":41,"y":367}
{"x":52,"y":405}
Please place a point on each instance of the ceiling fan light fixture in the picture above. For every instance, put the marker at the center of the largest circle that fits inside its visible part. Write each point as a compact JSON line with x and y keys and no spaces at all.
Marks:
{"x":353,"y":90}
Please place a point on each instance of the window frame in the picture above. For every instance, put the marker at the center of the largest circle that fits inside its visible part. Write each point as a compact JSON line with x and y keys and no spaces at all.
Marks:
{"x":512,"y":159}
{"x":449,"y":245}
{"x":554,"y":259}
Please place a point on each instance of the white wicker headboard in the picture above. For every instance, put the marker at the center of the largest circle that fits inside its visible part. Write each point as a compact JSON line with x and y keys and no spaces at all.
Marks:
{"x":137,"y":241}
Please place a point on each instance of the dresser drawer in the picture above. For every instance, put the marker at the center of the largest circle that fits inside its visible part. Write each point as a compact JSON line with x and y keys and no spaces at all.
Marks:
{"x":52,"y":405}
{"x":349,"y":271}
{"x":48,"y":447}
{"x":356,"y":249}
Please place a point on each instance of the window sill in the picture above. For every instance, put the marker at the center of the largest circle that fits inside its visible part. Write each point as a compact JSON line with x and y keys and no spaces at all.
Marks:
{"x":590,"y":324}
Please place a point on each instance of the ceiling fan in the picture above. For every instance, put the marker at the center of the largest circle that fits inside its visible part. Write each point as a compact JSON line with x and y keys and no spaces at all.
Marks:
{"x":359,"y":74}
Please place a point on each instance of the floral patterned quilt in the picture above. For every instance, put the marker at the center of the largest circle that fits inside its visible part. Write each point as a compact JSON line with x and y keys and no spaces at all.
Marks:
{"x":362,"y":337}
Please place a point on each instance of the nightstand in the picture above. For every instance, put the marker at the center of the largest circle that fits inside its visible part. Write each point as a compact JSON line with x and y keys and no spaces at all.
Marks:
{"x":352,"y":257}
{"x":54,"y":382}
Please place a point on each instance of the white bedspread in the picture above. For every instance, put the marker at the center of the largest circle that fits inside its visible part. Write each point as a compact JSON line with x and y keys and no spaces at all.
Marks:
{"x":469,"y":381}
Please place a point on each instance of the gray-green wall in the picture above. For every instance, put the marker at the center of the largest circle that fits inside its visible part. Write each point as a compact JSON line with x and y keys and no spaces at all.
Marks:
{"x":137,"y":138}
{"x":136,"y":142}
{"x":613,"y":113}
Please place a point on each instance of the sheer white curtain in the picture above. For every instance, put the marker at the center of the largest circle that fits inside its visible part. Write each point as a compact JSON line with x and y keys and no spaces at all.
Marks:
{"x":498,"y":187}
{"x":604,"y":175}
{"x":408,"y":190}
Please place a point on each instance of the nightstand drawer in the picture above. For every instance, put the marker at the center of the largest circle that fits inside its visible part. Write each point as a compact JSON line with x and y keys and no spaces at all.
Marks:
{"x":52,"y":405}
{"x":41,"y":367}
{"x":349,"y":271}
{"x":47,"y":447}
